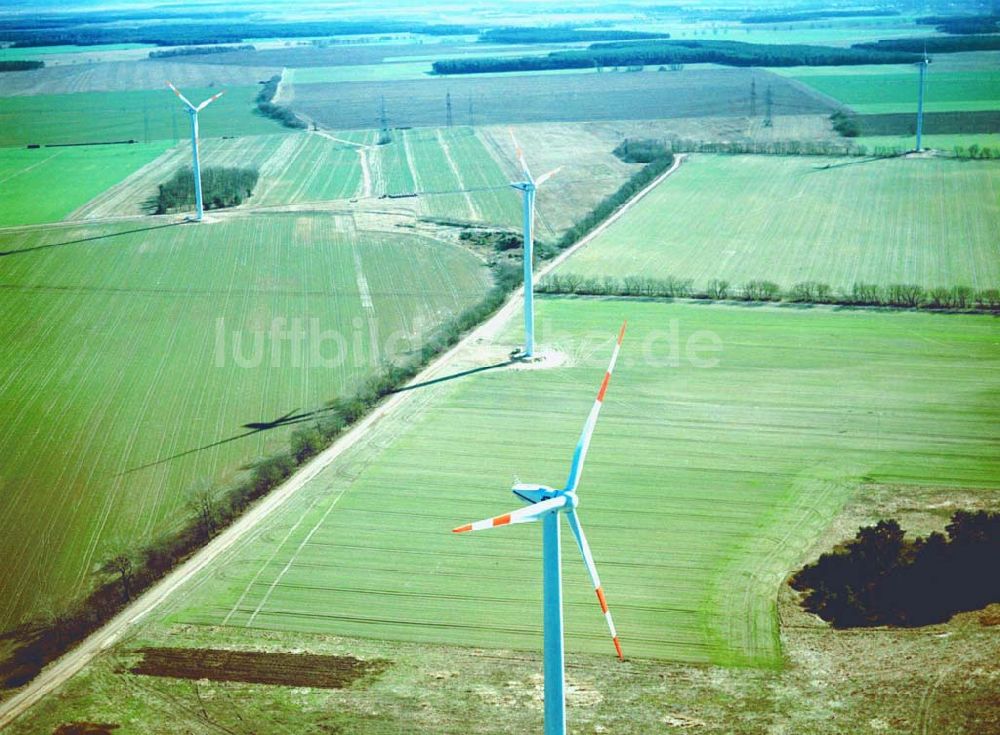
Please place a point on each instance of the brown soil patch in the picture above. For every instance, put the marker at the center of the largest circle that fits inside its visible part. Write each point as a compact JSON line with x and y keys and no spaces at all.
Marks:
{"x":990,"y":616}
{"x":85,"y":728}
{"x":257,"y":667}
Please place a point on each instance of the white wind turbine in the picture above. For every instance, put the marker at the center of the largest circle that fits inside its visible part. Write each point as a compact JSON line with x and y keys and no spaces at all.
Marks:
{"x":193,"y":111}
{"x":528,"y":187}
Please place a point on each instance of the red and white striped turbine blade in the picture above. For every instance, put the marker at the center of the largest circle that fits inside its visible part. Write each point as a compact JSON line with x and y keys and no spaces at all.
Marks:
{"x":182,"y":97}
{"x":521,"y":515}
{"x":520,"y":156}
{"x":588,"y":560}
{"x":580,"y":454}
{"x":209,"y":101}
{"x":545,"y":177}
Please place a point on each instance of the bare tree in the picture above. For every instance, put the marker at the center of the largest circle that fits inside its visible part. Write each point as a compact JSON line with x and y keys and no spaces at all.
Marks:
{"x":202,"y":502}
{"x":121,"y":564}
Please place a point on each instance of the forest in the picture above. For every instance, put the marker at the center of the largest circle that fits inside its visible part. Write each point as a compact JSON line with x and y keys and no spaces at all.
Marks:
{"x":729,"y":53}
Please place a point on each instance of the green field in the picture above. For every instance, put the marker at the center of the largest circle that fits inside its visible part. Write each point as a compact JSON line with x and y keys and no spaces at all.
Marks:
{"x":40,"y":52}
{"x":46,"y":184}
{"x":895,"y":90}
{"x":309,"y":168}
{"x":124,"y":384}
{"x":147,"y":115}
{"x":703,"y":486}
{"x":455,"y":160}
{"x":942,"y":142}
{"x":931,"y":222}
{"x":453,"y":172}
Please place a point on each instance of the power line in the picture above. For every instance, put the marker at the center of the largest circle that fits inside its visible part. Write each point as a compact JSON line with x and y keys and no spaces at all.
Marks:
{"x":383,"y":121}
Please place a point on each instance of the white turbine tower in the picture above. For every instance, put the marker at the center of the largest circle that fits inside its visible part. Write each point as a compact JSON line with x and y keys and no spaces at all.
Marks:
{"x":193,"y":112}
{"x":923,"y":64}
{"x":528,"y":187}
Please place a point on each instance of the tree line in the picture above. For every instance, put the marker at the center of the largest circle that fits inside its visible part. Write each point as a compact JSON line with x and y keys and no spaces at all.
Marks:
{"x":932,"y":44}
{"x":882,"y":578}
{"x":818,"y":148}
{"x":641,"y":150}
{"x":563,"y":35}
{"x":644,"y":53}
{"x":220,"y":187}
{"x":199,"y":50}
{"x":846,"y":124}
{"x":900,"y":296}
{"x":963,"y":24}
{"x":607,"y":206}
{"x":16,"y":65}
{"x":77,"y":33}
{"x":267,"y":108}
{"x":784,"y":148}
{"x":793,"y":17}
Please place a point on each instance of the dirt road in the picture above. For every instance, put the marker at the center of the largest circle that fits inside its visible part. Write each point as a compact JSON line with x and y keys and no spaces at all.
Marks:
{"x":62,"y":669}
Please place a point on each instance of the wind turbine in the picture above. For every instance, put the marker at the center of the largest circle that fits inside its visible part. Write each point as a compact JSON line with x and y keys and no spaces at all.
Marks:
{"x":923,"y":64}
{"x":528,"y":187}
{"x":193,"y":112}
{"x":546,"y":504}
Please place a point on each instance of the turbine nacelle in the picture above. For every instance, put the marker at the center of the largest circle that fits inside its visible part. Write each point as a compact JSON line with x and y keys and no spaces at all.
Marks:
{"x":531,"y":493}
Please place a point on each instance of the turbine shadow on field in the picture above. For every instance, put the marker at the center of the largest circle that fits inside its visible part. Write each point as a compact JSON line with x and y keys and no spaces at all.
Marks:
{"x":4,"y":253}
{"x":294,"y":417}
{"x":456,"y":376}
{"x":289,"y":418}
{"x":830,"y":166}
{"x":254,"y":427}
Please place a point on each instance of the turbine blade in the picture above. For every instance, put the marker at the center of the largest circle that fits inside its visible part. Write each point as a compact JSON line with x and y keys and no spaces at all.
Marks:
{"x":588,"y":560}
{"x":545,"y":177}
{"x":520,"y":156}
{"x":580,"y":454}
{"x":182,"y":97}
{"x":521,"y":515}
{"x":209,"y":101}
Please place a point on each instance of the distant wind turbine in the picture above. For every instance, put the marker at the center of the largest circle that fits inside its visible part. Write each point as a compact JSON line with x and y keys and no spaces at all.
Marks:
{"x":528,"y":187}
{"x":193,"y":112}
{"x":923,"y":64}
{"x":546,"y":504}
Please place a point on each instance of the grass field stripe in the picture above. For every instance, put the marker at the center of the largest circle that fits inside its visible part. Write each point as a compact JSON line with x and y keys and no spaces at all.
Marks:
{"x":291,"y":560}
{"x":877,"y":225}
{"x":266,"y":564}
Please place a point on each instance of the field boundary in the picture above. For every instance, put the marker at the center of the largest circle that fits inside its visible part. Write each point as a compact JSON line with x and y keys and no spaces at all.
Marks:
{"x":63,"y":668}
{"x":892,"y":297}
